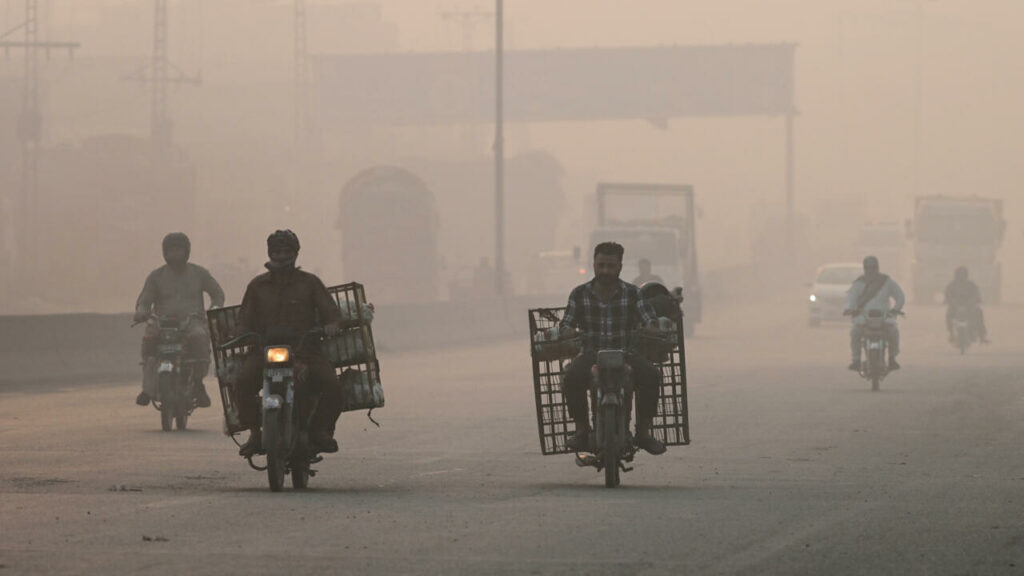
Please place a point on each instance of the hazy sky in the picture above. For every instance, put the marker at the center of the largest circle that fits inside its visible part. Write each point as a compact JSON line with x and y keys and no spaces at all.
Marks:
{"x":855,"y":92}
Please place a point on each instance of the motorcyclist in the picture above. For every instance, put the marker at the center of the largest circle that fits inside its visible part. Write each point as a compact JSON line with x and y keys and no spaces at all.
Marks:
{"x":606,"y":309}
{"x":176,"y":290}
{"x":645,"y":273}
{"x":963,"y":292}
{"x":282,"y":305}
{"x":873,"y":291}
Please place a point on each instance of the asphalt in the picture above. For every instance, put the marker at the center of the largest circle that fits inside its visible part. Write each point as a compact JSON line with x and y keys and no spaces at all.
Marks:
{"x":796,"y":467}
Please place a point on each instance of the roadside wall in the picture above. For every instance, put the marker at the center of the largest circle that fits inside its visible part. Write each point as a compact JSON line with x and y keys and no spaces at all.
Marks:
{"x":94,"y":347}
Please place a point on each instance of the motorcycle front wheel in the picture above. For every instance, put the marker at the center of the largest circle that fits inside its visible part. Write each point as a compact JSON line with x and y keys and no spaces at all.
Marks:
{"x":274,"y":444}
{"x":611,"y":451}
{"x":167,"y":400}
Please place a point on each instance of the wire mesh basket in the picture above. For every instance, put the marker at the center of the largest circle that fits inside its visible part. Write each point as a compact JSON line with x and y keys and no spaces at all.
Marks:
{"x":551,"y":357}
{"x":352,"y":353}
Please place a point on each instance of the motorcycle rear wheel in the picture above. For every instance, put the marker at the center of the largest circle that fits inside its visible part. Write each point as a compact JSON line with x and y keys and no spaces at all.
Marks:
{"x":181,"y":415}
{"x":300,"y":474}
{"x":611,"y":450}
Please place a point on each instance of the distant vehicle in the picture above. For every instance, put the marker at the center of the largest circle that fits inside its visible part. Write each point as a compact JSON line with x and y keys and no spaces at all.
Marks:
{"x":558,"y":272}
{"x":656,"y":222}
{"x":828,"y":291}
{"x":951,"y":231}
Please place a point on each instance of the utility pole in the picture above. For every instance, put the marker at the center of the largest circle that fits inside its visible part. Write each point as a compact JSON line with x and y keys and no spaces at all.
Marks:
{"x":23,"y":210}
{"x":159,"y":75}
{"x":302,"y":124}
{"x":499,"y":152}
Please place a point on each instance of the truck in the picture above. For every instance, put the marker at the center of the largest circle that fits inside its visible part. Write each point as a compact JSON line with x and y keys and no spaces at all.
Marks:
{"x":952,"y":231}
{"x":654,"y":222}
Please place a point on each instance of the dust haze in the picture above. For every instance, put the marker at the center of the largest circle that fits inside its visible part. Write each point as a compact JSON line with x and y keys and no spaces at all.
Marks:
{"x":893,"y":100}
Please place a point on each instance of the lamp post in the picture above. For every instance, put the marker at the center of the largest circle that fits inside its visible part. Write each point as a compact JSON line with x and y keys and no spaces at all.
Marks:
{"x":499,"y":153}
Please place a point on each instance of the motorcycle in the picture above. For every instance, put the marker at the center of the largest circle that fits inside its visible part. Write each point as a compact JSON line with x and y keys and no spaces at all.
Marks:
{"x":874,"y":347}
{"x":964,"y":333}
{"x":285,"y":435}
{"x":611,"y":405}
{"x":175,"y":373}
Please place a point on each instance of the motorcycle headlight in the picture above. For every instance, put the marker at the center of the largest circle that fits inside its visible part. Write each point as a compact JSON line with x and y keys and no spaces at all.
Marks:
{"x":278,"y":355}
{"x":813,"y":298}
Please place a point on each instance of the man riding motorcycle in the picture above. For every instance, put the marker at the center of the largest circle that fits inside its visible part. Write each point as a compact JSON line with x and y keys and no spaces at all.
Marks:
{"x":644,"y":265}
{"x":873,"y":291}
{"x":283,"y":304}
{"x":606,"y":310}
{"x":963,"y":292}
{"x":176,"y":290}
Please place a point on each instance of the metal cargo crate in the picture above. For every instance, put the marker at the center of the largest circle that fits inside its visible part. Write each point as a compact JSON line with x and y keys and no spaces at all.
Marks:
{"x":551,"y":358}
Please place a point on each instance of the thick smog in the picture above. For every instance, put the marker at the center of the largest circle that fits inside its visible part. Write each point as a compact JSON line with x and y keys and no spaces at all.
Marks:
{"x":474,"y":286}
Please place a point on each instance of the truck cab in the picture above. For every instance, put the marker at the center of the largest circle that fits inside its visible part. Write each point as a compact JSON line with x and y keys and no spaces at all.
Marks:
{"x":952,"y":231}
{"x":655,"y":222}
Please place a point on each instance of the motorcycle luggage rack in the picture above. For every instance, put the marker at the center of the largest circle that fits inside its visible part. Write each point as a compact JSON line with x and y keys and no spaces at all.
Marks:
{"x":551,"y":358}
{"x":352,"y":353}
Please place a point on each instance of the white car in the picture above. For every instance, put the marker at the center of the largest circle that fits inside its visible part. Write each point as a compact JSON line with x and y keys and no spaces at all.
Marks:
{"x":828,"y":291}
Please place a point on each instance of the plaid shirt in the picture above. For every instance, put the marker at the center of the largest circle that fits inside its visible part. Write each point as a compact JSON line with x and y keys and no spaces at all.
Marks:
{"x":606,"y":325}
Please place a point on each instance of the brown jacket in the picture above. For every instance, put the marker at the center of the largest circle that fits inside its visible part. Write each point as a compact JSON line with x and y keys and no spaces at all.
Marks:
{"x":291,"y":303}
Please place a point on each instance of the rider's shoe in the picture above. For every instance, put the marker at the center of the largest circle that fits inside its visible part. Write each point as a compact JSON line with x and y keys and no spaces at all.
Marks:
{"x":252,"y":446}
{"x":202,"y":398}
{"x":578,"y":442}
{"x":893,"y":364}
{"x":855,"y":366}
{"x":142,"y":399}
{"x":650,"y":444}
{"x":321,"y":441}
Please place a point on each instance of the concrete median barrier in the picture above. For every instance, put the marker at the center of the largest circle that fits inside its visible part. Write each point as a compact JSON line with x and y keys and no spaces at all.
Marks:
{"x":74,"y":348}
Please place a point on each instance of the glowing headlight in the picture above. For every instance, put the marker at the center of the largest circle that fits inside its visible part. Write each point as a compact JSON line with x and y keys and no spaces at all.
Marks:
{"x":277,"y":355}
{"x":272,"y":402}
{"x":814,"y":298}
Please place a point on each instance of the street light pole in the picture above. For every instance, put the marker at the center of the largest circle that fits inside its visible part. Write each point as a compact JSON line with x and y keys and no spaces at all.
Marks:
{"x":499,"y":154}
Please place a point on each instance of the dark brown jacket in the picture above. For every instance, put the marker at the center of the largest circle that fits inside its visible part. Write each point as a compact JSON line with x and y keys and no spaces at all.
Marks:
{"x":290,"y":303}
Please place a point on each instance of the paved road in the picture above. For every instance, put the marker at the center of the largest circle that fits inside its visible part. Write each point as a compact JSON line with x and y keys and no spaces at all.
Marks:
{"x":795,"y":468}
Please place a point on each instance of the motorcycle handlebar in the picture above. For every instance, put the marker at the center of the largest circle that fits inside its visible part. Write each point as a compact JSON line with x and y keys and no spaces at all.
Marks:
{"x":318,"y":331}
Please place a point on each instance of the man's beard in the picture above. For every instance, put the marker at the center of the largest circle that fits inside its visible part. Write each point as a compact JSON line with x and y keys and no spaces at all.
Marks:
{"x":280,"y":265}
{"x":176,"y":263}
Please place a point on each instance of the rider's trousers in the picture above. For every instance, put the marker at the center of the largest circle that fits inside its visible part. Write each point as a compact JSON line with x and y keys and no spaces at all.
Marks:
{"x":576,"y":382}
{"x":197,"y":347}
{"x":320,"y":382}
{"x":977,"y":318}
{"x":892,"y":332}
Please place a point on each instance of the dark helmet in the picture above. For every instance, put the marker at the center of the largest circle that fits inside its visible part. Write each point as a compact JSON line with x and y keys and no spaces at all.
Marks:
{"x":177,"y":239}
{"x":651,"y":289}
{"x":285,"y":238}
{"x":961,"y":273}
{"x":871,"y":264}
